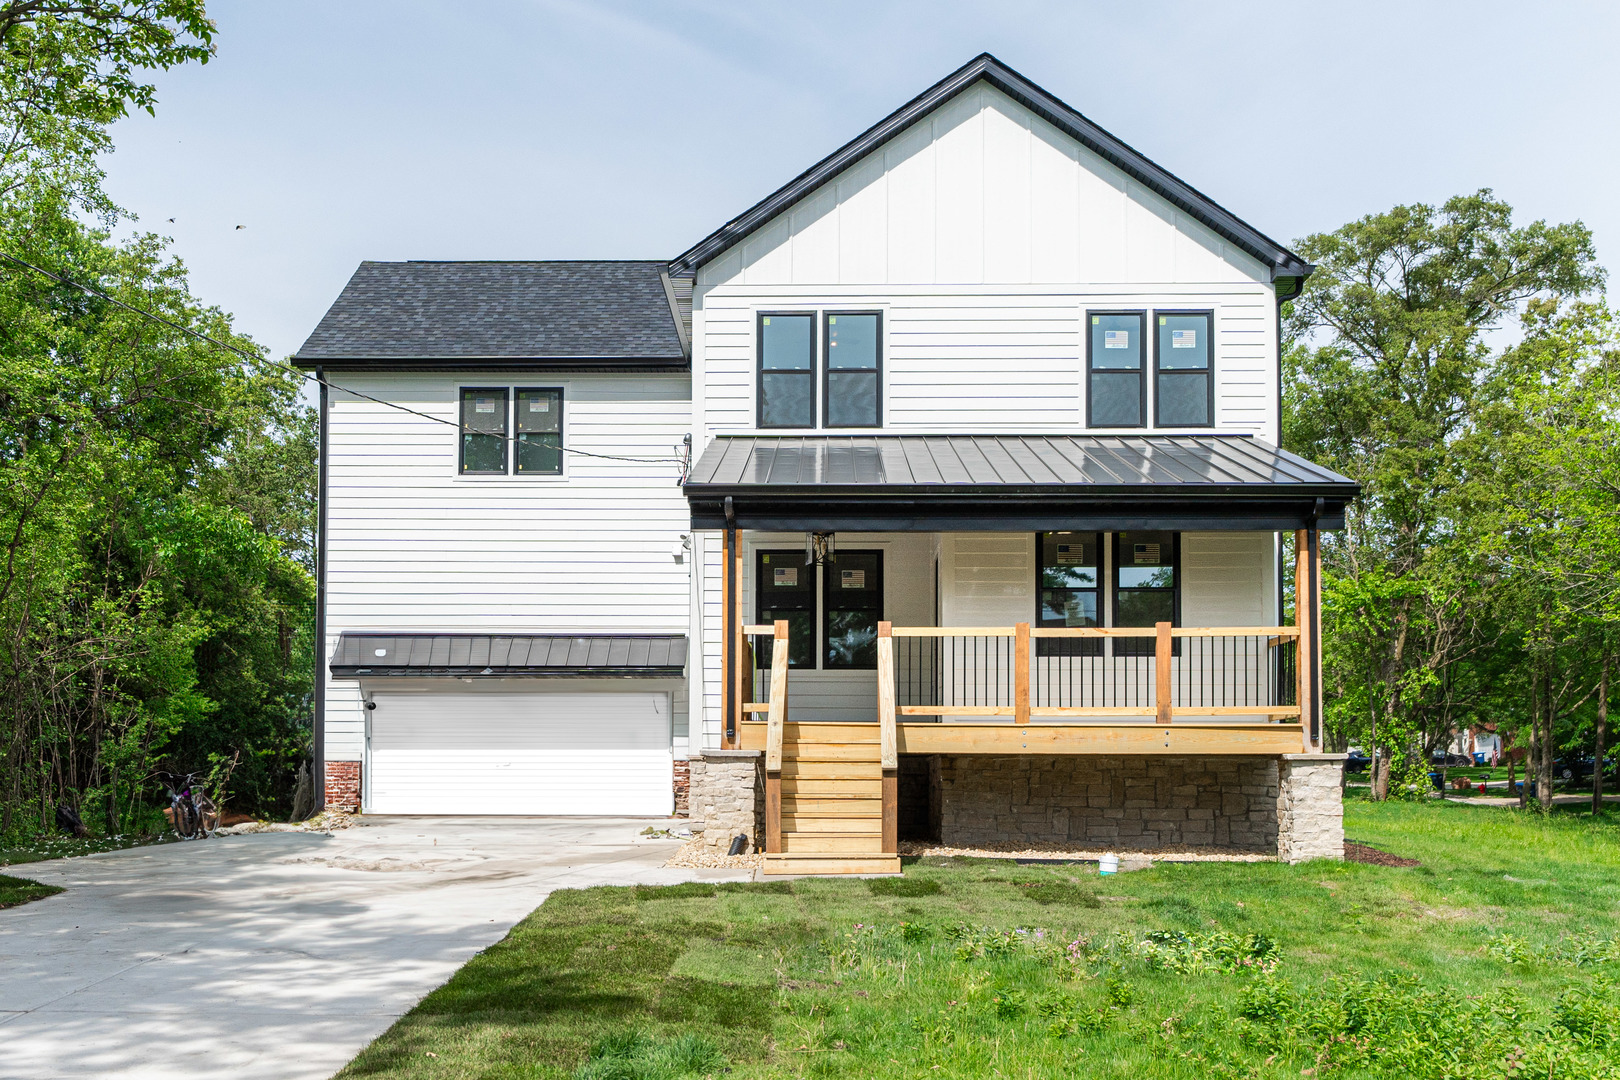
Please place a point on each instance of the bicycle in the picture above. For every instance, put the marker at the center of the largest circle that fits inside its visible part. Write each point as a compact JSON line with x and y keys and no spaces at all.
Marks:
{"x":194,"y":815}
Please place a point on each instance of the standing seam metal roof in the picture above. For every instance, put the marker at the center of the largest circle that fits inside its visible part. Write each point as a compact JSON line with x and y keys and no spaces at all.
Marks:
{"x":1124,"y":462}
{"x":383,"y":654}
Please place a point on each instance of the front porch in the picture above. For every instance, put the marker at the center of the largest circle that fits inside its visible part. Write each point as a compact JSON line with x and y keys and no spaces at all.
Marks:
{"x":1111,"y":717}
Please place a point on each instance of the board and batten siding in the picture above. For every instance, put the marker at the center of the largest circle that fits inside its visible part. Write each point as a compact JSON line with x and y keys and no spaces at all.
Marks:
{"x":414,"y":547}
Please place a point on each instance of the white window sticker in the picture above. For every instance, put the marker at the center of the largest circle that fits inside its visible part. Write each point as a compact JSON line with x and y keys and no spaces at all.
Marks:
{"x":1116,"y":339}
{"x":786,"y":575}
{"x":1147,"y":554}
{"x":853,"y":579}
{"x":484,"y":405}
{"x":539,"y":404}
{"x":1071,"y":555}
{"x":1184,"y":339}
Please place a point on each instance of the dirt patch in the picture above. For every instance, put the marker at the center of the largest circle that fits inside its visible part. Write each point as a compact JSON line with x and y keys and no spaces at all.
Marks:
{"x":1354,"y":852}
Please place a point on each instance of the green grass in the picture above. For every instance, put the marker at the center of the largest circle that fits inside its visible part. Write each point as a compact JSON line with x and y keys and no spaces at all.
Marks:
{"x":1494,"y":958}
{"x":15,"y":891}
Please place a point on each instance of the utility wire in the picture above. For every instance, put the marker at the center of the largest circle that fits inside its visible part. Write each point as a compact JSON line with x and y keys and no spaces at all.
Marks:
{"x":319,"y":380}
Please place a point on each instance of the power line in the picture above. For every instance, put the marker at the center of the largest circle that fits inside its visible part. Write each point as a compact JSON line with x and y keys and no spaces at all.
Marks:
{"x":319,"y":380}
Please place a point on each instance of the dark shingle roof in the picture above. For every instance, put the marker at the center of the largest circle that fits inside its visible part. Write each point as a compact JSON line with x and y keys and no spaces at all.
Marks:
{"x":465,"y":314}
{"x":381,"y":654}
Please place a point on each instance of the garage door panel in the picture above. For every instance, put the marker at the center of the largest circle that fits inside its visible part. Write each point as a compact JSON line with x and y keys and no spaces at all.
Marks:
{"x":543,"y":753}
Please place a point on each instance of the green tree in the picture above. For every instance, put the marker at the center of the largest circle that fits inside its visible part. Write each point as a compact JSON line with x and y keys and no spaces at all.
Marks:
{"x":1390,"y":347}
{"x":155,"y":489}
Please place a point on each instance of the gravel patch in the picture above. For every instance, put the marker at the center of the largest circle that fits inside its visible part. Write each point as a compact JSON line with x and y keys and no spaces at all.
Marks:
{"x":693,"y":855}
{"x":327,"y":821}
{"x":1016,"y":851}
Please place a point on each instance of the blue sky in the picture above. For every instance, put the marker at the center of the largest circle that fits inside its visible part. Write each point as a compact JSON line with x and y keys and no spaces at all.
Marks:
{"x":533,"y":129}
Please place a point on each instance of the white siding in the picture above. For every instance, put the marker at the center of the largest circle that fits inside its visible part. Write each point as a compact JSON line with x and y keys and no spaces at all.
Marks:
{"x":412,"y":546}
{"x":985,"y":235}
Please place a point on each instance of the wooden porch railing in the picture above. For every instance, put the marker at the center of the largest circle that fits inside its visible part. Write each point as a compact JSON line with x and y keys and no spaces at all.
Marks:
{"x":1097,"y":673}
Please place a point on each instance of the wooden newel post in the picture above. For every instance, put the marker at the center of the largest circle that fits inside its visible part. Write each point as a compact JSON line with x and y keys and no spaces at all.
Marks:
{"x":1021,"y":673}
{"x":1162,"y":648}
{"x":888,"y":738}
{"x":774,"y":734}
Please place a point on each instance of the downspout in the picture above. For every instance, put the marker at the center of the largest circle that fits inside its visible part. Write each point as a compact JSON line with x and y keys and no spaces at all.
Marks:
{"x":318,"y":768}
{"x":730,"y":631}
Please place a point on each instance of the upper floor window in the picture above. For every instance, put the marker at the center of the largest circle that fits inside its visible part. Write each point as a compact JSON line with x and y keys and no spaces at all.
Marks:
{"x":483,"y":430}
{"x":849,"y":390}
{"x":490,"y":416}
{"x":1116,"y":391}
{"x":1184,"y":378}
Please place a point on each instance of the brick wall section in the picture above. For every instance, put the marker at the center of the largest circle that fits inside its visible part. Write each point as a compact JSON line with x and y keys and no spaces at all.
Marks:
{"x":683,"y":787}
{"x":1132,"y":803}
{"x":1310,"y":807}
{"x":343,"y":785}
{"x":727,"y":797}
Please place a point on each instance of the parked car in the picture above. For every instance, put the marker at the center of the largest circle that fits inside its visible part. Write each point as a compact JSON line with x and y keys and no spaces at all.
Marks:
{"x":1357,"y":762}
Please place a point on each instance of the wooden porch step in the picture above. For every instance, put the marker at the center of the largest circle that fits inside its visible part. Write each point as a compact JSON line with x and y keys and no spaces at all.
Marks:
{"x":830,"y":770}
{"x":841,"y":863}
{"x":825,"y":822}
{"x":834,"y":752}
{"x":821,"y":788}
{"x":863,"y":840}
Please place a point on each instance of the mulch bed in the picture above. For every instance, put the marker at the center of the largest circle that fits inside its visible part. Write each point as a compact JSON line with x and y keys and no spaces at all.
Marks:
{"x":1361,"y":853}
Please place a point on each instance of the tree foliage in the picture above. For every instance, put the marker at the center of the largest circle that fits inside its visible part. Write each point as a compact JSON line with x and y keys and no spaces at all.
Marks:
{"x":1431,"y":358}
{"x":155,"y":489}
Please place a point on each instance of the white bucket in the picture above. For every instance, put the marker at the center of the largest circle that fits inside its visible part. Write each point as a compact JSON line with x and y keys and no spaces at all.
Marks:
{"x":1108,"y":864}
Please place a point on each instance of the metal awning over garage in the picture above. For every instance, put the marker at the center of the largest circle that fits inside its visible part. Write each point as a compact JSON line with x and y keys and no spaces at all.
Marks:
{"x":910,"y":483}
{"x":656,"y":656}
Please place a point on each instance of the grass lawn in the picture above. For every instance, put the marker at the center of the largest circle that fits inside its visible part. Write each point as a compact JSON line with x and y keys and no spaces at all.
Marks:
{"x":1494,"y":958}
{"x":52,"y":846}
{"x":14,"y":891}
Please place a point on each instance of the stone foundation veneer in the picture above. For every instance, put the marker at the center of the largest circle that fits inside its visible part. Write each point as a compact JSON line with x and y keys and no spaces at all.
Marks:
{"x":1136,"y":803}
{"x":1310,"y":807}
{"x":343,"y":785}
{"x":726,"y":796}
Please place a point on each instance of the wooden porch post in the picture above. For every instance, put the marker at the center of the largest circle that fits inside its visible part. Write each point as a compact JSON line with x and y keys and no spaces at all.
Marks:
{"x":1021,"y":673}
{"x":1305,"y":648}
{"x":774,"y":734}
{"x":1163,"y":647}
{"x":888,"y":740}
{"x":731,"y":659}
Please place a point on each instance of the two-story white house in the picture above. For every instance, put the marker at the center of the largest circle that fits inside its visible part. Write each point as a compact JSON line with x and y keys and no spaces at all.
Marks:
{"x":936,"y":495}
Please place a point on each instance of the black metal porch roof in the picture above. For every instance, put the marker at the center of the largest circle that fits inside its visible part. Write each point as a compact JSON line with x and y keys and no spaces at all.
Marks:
{"x":378,"y":655}
{"x":1011,"y":483}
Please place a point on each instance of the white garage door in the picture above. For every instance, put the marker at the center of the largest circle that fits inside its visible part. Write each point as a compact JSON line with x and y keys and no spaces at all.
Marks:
{"x":550,"y":753}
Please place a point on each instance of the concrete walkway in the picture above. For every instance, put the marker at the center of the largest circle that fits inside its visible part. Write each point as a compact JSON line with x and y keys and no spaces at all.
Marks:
{"x":278,"y":955}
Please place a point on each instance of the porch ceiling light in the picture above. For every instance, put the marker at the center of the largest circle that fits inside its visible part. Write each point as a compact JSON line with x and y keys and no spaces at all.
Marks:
{"x":819,"y":549}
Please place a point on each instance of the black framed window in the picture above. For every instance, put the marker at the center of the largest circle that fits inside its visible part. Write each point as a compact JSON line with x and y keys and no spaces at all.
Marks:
{"x":1147,"y":585}
{"x":1115,"y":388}
{"x":1184,"y":369}
{"x":1069,"y":575}
{"x":853,"y":386}
{"x":787,"y":370}
{"x":539,"y":432}
{"x":483,"y":430}
{"x":785,"y":588}
{"x":852,"y":604}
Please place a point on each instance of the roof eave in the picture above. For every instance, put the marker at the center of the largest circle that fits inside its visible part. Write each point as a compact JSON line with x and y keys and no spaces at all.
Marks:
{"x":485,"y":363}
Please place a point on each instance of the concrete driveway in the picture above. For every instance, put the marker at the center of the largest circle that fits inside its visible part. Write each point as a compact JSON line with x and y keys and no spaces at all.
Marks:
{"x":278,"y":955}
